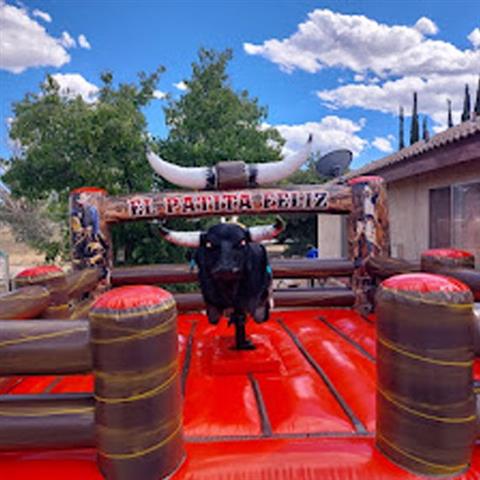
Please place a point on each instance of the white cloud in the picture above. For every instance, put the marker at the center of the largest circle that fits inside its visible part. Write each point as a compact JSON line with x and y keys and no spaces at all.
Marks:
{"x":426,"y":26}
{"x":180,"y":86}
{"x":83,"y":42}
{"x":433,"y":93}
{"x":328,"y":39}
{"x":67,"y":40}
{"x":43,"y":15}
{"x":73,"y":84}
{"x":383,"y":144}
{"x":330,"y":133}
{"x":159,"y":95}
{"x":25,"y":43}
{"x":474,"y":37}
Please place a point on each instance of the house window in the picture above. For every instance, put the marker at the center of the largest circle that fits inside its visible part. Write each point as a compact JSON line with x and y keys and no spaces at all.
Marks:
{"x":455,"y":216}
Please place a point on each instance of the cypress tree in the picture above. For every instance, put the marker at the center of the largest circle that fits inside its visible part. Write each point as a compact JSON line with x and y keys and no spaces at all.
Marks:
{"x":466,"y":105}
{"x":401,"y":142}
{"x":415,"y":127}
{"x":477,"y":100}
{"x":450,"y":120}
{"x":425,"y":132}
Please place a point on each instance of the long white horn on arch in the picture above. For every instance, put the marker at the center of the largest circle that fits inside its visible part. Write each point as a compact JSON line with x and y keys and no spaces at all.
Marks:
{"x":182,"y":238}
{"x":266,"y":232}
{"x":272,"y":172}
{"x":198,"y":178}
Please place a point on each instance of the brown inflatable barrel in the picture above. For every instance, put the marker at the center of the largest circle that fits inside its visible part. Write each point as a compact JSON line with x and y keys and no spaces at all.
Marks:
{"x":440,"y":258}
{"x":138,"y":413}
{"x":425,"y":403}
{"x":24,"y":303}
{"x":53,"y":278}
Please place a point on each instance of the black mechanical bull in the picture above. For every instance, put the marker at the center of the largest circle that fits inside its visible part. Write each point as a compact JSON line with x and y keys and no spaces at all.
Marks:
{"x":234,"y":273}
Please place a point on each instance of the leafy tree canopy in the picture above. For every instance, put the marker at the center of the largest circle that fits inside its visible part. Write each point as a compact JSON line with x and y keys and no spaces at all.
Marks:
{"x":211,"y":122}
{"x":67,"y":143}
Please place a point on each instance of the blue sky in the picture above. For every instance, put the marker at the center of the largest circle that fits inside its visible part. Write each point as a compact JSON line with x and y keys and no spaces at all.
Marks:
{"x":339,"y":69}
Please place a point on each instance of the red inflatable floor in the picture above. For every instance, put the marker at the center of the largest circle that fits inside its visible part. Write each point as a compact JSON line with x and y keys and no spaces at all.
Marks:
{"x":301,"y":406}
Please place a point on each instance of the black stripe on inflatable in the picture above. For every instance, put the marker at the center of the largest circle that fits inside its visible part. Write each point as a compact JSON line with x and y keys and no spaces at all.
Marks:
{"x":347,"y":338}
{"x":277,"y":436}
{"x":188,"y":357}
{"x":356,"y":422}
{"x":262,"y":409}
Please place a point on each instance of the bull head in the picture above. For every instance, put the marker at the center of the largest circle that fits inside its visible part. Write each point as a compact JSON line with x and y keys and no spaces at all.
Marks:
{"x":192,"y":239}
{"x":221,"y":175}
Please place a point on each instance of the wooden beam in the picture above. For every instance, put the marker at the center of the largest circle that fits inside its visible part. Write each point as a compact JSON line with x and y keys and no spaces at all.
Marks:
{"x":182,"y":273}
{"x":24,"y":303}
{"x":80,"y":282}
{"x":302,"y":198}
{"x":46,"y":421}
{"x":41,"y":347}
{"x":291,"y":297}
{"x":385,"y":267}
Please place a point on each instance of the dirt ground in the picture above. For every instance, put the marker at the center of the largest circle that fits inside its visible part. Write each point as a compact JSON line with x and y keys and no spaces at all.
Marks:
{"x":20,"y":256}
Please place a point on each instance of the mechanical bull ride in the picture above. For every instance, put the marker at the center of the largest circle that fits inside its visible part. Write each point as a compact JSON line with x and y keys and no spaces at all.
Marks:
{"x":234,"y":272}
{"x":102,"y":377}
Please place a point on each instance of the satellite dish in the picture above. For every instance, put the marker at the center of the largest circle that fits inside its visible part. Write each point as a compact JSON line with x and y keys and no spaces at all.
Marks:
{"x":334,"y":164}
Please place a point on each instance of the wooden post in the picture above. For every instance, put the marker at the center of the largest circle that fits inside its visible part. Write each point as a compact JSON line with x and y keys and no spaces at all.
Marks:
{"x":368,"y":235}
{"x":89,"y":233}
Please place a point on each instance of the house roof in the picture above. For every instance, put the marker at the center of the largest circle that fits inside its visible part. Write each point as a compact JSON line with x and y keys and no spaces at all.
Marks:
{"x":449,"y":136}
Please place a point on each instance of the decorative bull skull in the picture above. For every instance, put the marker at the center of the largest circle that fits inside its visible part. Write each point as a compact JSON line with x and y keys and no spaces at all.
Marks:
{"x":192,"y":239}
{"x":233,"y":174}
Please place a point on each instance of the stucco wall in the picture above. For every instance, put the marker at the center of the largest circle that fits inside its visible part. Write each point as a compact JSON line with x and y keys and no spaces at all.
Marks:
{"x":331,"y":236}
{"x":409,"y":207}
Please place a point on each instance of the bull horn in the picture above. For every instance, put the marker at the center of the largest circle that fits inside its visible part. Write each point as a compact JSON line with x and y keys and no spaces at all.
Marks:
{"x":197,"y":178}
{"x":266,"y":232}
{"x":272,"y":172}
{"x":184,"y":239}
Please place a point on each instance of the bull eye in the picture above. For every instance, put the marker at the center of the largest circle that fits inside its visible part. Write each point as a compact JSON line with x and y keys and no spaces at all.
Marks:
{"x":243,"y":243}
{"x":209,"y":245}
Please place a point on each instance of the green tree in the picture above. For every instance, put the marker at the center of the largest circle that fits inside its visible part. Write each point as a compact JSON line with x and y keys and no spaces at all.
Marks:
{"x":415,"y":127}
{"x":401,"y":129}
{"x":67,"y":143}
{"x":212,"y":122}
{"x":425,"y":132}
{"x":450,"y":119}
{"x":466,"y":105}
{"x":476,"y":109}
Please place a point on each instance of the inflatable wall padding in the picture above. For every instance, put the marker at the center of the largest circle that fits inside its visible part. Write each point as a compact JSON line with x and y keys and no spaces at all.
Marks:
{"x":54,"y":279}
{"x":24,"y":303}
{"x":426,"y":416}
{"x":446,"y":258}
{"x":138,"y":413}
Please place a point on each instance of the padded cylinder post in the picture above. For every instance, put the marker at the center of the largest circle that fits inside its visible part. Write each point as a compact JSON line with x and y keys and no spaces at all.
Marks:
{"x":368,"y":235}
{"x":441,"y":258}
{"x":54,"y":279}
{"x":138,"y":412}
{"x":458,"y":264}
{"x":426,"y":415}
